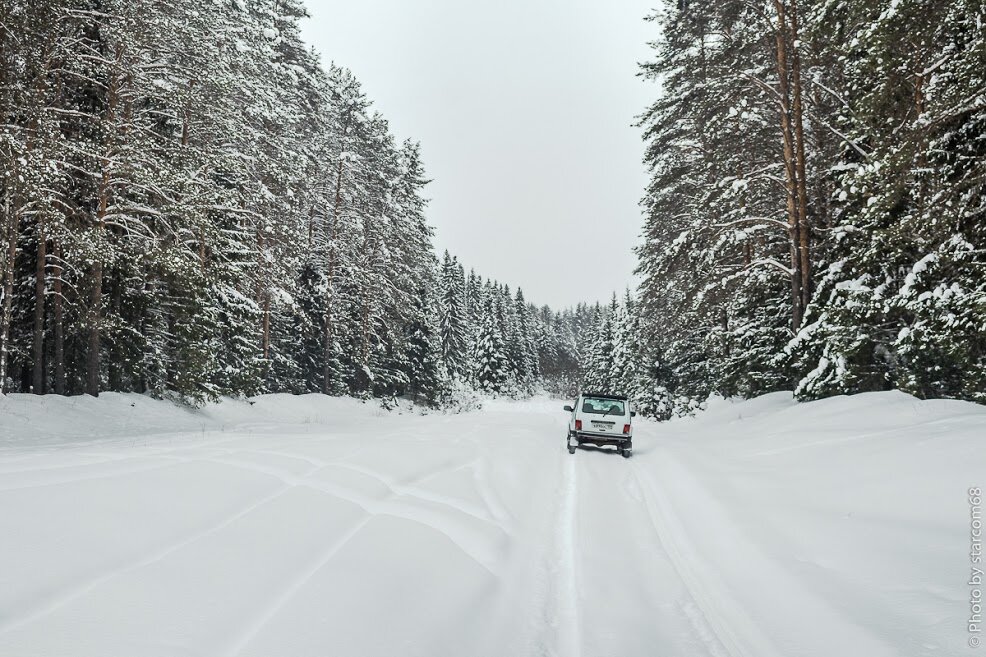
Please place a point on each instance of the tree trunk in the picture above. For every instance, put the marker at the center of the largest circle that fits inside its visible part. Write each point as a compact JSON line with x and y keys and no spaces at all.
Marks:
{"x":37,"y":383}
{"x":40,"y":282}
{"x":267,"y":326}
{"x":114,"y":368}
{"x":790,"y":166}
{"x":96,"y":272}
{"x":92,"y":355}
{"x":330,"y":285}
{"x":804,"y":228}
{"x":10,"y":223}
{"x":822,"y":186}
{"x":263,"y":296}
{"x":367,"y":298}
{"x":363,"y":376}
{"x":186,"y":116}
{"x":59,"y":322}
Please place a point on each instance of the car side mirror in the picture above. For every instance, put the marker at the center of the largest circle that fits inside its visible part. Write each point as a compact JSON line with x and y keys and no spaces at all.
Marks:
{"x":633,"y":413}
{"x":569,"y":409}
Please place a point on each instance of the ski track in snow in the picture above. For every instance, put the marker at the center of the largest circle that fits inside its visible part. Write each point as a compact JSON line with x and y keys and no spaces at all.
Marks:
{"x":480,"y":535}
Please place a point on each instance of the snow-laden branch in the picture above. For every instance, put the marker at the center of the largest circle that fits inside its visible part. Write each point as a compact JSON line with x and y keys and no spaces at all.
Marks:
{"x":769,"y":89}
{"x":770,"y":262}
{"x":744,"y":220}
{"x":856,"y":147}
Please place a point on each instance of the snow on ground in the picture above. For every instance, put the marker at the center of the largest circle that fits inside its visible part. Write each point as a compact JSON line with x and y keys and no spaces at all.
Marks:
{"x":312,"y":526}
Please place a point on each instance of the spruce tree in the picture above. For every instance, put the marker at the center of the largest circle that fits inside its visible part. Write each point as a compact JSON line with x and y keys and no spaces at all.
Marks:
{"x":426,"y":379}
{"x":491,"y":367}
{"x":454,"y":326}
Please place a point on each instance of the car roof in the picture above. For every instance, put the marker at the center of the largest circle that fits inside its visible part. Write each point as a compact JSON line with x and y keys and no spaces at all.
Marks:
{"x":597,"y":395}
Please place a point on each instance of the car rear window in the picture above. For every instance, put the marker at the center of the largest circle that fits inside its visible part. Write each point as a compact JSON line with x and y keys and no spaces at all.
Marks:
{"x":603,"y":406}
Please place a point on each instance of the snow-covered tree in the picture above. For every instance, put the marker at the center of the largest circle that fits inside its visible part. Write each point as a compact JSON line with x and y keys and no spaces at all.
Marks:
{"x":491,"y":367}
{"x":816,"y":187}
{"x":454,"y":319}
{"x":427,"y":380}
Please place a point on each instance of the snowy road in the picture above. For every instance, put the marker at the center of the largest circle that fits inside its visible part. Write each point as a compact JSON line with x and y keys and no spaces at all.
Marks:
{"x":312,"y":526}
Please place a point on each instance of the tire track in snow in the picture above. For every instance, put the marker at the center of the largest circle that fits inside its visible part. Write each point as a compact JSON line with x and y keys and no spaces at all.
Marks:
{"x":406,"y":507}
{"x":567,"y":641}
{"x":96,"y":476}
{"x":731,"y":577}
{"x":168,"y":455}
{"x":398,"y":492}
{"x":494,"y":505}
{"x":269,"y":612}
{"x":712,"y":610}
{"x":412,"y":489}
{"x":147,"y":453}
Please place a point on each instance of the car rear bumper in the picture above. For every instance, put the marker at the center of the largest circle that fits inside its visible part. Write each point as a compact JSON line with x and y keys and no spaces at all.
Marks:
{"x":601,"y":438}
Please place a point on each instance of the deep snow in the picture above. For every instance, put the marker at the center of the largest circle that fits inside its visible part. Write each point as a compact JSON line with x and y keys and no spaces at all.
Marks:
{"x":316,"y":526}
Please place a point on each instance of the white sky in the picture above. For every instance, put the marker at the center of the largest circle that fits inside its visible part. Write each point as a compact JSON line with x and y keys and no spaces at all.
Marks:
{"x":524,"y":110}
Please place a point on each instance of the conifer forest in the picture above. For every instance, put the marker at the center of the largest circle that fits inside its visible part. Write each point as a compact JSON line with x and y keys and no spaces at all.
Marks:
{"x":193,"y":205}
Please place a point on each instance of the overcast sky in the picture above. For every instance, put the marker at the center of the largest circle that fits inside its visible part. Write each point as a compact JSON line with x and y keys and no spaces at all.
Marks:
{"x":524,"y":110}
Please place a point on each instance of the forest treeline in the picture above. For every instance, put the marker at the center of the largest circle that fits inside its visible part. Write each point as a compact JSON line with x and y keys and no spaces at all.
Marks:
{"x":815,"y":217}
{"x":193,"y":206}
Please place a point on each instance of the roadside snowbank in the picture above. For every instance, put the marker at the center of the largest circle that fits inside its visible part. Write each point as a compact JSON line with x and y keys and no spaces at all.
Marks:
{"x":50,"y":419}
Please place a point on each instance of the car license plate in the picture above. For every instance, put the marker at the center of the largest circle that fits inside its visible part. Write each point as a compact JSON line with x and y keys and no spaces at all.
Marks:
{"x":602,"y":426}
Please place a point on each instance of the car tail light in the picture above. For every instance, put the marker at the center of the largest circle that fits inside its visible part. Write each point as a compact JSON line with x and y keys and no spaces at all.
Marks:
{"x":626,"y":428}
{"x":578,"y":425}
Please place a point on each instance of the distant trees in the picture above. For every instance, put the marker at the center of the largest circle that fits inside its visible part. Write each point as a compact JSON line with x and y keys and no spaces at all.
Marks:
{"x":491,"y":339}
{"x":815,"y":215}
{"x":609,"y":355}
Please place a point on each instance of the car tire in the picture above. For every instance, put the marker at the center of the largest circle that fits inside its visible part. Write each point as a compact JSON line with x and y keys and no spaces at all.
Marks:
{"x":571,"y":449}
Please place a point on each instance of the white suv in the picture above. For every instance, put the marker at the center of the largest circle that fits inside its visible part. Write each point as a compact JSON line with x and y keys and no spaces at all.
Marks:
{"x":601,"y":420}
